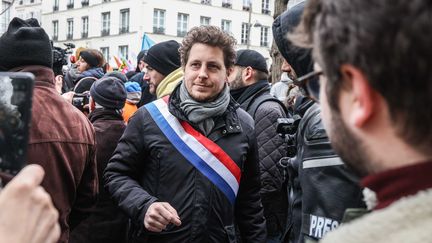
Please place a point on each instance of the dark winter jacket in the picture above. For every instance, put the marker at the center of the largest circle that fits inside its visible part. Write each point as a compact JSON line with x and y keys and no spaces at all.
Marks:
{"x":270,"y":150}
{"x":146,"y":168}
{"x":93,"y":72}
{"x":321,"y":187}
{"x":107,"y":223}
{"x":62,"y":141}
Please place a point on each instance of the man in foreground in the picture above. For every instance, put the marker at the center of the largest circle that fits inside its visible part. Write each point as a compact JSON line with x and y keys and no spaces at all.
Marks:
{"x":375,"y":95}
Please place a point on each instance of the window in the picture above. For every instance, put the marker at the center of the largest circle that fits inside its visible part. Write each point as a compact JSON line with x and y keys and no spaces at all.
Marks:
{"x":265,"y":7}
{"x":70,"y":4}
{"x":124,"y":21}
{"x":56,"y":5}
{"x":159,"y":21}
{"x":182,"y":24}
{"x":205,"y":20}
{"x":31,"y":1}
{"x":247,"y":5}
{"x":227,"y":3}
{"x":226,"y":25}
{"x":245,"y":33}
{"x":69,"y":35}
{"x":5,"y":17}
{"x":105,"y":23}
{"x":84,"y":3}
{"x":84,"y":33}
{"x":55,"y":30}
{"x":206,"y":2}
{"x":123,"y":52}
{"x":106,"y":1}
{"x":264,"y":36}
{"x":105,"y":52}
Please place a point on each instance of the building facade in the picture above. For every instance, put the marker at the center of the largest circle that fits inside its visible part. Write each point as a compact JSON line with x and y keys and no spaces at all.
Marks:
{"x":118,"y":27}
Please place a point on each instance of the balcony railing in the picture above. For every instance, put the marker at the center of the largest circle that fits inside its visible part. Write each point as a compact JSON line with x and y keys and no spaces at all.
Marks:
{"x":55,"y":8}
{"x":55,"y":38}
{"x":181,"y":33}
{"x":265,"y":11}
{"x":105,"y":32}
{"x":84,"y":3}
{"x":227,"y":5}
{"x":246,"y":7}
{"x":264,"y":44}
{"x":84,"y":34}
{"x":123,"y":30}
{"x":70,"y":5}
{"x":158,"y":30}
{"x":69,"y":36}
{"x":207,"y":2}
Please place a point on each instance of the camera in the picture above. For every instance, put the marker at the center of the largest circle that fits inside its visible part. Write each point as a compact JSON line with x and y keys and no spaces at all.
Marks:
{"x":60,"y":57}
{"x":79,"y":100}
{"x":287,"y":128}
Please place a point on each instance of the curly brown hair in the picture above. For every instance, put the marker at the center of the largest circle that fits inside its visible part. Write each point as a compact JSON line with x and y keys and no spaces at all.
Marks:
{"x":212,"y":36}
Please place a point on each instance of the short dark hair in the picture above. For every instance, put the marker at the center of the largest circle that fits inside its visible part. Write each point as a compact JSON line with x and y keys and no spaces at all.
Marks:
{"x":260,"y":75}
{"x":212,"y":36}
{"x":390,"y":41}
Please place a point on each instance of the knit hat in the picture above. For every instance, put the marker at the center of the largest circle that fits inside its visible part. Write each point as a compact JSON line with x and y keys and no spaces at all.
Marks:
{"x":89,"y":58}
{"x":109,"y":92}
{"x":164,"y":57}
{"x":118,"y":75}
{"x":25,"y":43}
{"x":251,"y":58}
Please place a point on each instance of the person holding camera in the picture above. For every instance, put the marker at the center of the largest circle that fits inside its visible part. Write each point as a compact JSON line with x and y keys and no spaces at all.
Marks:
{"x":107,"y":223}
{"x":321,"y":187}
{"x":61,"y":139}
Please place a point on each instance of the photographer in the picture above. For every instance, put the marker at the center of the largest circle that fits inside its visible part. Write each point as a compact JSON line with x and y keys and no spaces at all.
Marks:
{"x":321,"y":187}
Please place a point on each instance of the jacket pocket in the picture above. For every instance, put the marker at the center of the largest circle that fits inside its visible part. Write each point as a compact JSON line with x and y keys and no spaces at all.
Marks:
{"x":231,"y":233}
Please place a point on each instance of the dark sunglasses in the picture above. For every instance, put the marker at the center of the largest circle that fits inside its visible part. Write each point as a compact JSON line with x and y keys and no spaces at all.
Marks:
{"x":311,"y":82}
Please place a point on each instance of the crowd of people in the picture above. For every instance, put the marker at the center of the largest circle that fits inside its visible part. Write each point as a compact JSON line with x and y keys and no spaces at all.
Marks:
{"x":195,"y":145}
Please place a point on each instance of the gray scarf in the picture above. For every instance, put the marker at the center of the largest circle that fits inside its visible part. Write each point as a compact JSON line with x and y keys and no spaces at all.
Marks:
{"x":201,"y":114}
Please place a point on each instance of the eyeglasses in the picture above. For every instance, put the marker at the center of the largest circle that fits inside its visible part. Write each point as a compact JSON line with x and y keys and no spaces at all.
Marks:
{"x":311,"y":82}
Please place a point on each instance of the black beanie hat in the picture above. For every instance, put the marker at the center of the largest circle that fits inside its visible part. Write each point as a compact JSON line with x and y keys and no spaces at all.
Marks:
{"x":25,"y":43}
{"x":252,"y":59}
{"x":118,"y":75}
{"x":109,"y":92}
{"x":89,"y":58}
{"x":164,"y":57}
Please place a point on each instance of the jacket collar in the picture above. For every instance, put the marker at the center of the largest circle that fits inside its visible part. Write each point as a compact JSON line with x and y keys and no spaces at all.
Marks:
{"x":44,"y":76}
{"x":104,"y":114}
{"x":228,"y":122}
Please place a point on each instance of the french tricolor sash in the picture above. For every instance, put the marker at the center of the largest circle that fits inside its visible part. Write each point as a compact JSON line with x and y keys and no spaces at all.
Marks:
{"x":205,"y":155}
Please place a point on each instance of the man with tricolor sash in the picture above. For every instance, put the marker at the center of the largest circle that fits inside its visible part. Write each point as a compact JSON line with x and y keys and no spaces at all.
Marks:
{"x":186,"y":168}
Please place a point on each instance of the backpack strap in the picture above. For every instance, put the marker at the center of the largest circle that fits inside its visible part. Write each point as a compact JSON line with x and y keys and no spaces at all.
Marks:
{"x":260,"y":98}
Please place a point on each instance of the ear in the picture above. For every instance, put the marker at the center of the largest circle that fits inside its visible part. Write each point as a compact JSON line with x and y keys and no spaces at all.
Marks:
{"x":360,"y":99}
{"x":248,"y":75}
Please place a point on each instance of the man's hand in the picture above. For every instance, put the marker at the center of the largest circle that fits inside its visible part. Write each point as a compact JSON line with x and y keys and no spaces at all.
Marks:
{"x":68,"y":96}
{"x":159,"y":215}
{"x":27,"y":213}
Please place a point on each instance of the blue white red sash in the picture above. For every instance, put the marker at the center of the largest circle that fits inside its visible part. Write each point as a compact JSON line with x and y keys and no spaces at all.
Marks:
{"x":201,"y":152}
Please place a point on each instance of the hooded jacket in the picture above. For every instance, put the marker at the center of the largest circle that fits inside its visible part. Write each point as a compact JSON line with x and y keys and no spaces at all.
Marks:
{"x":321,"y":187}
{"x":146,"y":168}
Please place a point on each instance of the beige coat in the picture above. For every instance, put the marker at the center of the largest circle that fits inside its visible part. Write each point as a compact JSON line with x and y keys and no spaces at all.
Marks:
{"x":407,"y":220}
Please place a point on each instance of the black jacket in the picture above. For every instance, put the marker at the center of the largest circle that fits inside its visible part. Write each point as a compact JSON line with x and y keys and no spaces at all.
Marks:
{"x":270,"y":150}
{"x":146,"y":168}
{"x":321,"y":187}
{"x":107,"y":223}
